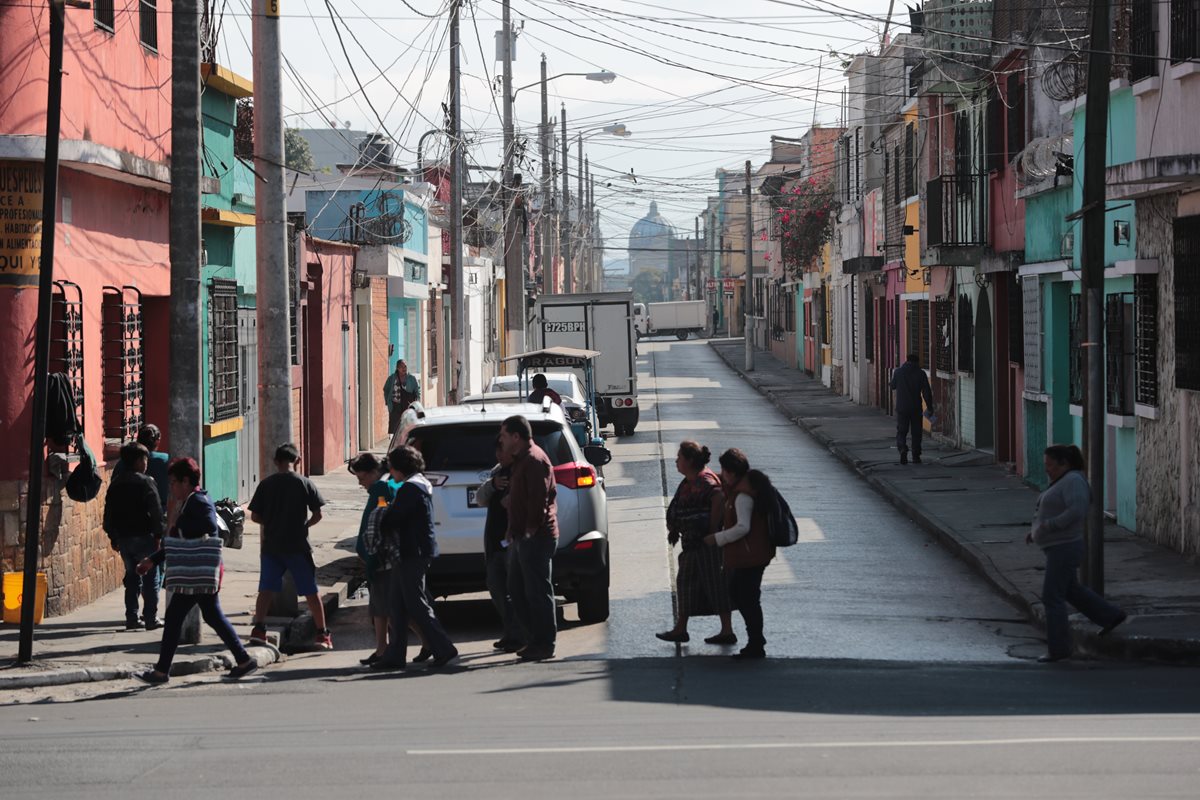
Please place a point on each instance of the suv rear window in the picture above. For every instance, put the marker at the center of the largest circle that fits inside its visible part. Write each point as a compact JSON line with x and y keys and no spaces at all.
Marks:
{"x":473,"y":446}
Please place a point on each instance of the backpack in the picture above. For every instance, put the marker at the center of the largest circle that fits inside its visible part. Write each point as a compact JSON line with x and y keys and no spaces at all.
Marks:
{"x":781,"y":524}
{"x":83,"y":484}
{"x":231,"y":523}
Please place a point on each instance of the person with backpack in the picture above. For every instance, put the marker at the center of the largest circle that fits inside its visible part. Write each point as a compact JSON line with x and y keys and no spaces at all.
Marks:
{"x":133,"y":520}
{"x":746,"y":547}
{"x":192,"y":553}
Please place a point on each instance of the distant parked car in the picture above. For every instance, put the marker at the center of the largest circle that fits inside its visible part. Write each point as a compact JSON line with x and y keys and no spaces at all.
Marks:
{"x":458,"y":443}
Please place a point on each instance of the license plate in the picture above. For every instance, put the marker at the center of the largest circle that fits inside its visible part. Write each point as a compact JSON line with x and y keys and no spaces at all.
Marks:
{"x":471,"y":491}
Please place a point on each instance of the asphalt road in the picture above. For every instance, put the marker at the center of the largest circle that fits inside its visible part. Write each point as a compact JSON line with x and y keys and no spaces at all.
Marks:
{"x":893,"y":673}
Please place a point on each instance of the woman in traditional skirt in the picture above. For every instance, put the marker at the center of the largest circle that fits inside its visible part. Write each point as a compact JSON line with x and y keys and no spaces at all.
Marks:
{"x":697,"y":511}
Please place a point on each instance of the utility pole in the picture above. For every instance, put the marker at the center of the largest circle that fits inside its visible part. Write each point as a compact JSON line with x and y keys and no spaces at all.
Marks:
{"x":459,"y":349}
{"x":545,"y":256}
{"x":273,"y":308}
{"x":578,"y":239}
{"x":699,"y":277}
{"x":41,"y":347}
{"x":594,"y":258}
{"x":568,"y":278}
{"x":748,"y":288}
{"x":1095,"y":148}
{"x":514,"y":269}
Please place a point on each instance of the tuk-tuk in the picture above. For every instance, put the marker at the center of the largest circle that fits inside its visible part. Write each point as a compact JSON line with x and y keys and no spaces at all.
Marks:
{"x":551,"y":358}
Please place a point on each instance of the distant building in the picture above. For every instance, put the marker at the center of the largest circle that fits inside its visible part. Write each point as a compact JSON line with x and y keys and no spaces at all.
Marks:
{"x":650,"y":243}
{"x":333,"y":146}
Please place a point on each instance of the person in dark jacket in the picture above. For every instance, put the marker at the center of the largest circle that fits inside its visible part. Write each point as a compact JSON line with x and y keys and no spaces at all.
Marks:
{"x":192,"y":552}
{"x":911,"y":384}
{"x":400,"y":391}
{"x":532,"y":538}
{"x":133,"y":520}
{"x":541,"y":389}
{"x":156,"y":466}
{"x":372,"y":475}
{"x":495,"y":548}
{"x":410,"y":544}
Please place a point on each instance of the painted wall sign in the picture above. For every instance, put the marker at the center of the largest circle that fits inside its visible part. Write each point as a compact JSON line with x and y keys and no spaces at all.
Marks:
{"x":20,"y":222}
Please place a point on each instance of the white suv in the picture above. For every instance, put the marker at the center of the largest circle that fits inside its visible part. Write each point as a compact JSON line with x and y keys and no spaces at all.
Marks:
{"x":459,"y":445}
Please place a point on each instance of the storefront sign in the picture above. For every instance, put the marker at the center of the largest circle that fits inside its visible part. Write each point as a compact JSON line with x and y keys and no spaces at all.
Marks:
{"x":20,"y":222}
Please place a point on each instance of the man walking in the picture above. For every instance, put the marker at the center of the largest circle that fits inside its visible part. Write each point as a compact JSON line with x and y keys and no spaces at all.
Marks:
{"x":133,"y":520}
{"x":492,"y":494}
{"x":911,"y":384}
{"x":286,"y":505}
{"x":532,"y":537}
{"x":400,"y":391}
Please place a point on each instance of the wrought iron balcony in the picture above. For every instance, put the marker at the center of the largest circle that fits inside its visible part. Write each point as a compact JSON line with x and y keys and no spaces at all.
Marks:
{"x":956,"y":211}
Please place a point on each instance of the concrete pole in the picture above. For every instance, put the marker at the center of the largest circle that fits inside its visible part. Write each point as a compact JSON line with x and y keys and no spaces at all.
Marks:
{"x":1095,"y":134}
{"x":699,"y":277}
{"x":514,"y":268}
{"x":568,"y":278}
{"x":577,"y":240}
{"x":748,"y":287}
{"x":459,"y":349}
{"x":270,"y":239}
{"x":184,"y":393}
{"x":544,"y":220}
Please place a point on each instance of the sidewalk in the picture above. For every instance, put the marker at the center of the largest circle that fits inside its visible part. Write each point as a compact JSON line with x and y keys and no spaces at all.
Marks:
{"x":91,"y":643}
{"x":981,"y":513}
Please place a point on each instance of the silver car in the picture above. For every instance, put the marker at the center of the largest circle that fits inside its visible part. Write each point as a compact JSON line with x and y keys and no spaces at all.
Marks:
{"x":459,"y":444}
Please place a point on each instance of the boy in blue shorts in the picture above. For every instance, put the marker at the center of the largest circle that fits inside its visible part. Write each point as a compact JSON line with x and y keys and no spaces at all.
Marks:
{"x":286,"y":505}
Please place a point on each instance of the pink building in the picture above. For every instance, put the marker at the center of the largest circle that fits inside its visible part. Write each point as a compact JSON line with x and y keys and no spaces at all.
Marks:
{"x":109,"y":325}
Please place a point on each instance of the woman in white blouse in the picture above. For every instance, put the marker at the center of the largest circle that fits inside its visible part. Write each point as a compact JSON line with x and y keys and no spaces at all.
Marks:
{"x":746,"y":549}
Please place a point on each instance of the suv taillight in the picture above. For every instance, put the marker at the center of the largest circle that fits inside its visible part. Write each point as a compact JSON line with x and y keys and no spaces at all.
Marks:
{"x":575,"y":476}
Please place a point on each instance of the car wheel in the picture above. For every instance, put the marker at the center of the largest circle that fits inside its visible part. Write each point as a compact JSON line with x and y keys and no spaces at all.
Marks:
{"x":592,"y":600}
{"x":682,"y":335}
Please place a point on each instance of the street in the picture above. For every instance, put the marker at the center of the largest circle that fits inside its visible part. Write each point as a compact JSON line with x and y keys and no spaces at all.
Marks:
{"x":893,"y":670}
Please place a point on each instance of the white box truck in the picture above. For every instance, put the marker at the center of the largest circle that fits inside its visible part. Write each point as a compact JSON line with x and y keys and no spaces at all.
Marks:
{"x":679,"y":318}
{"x":600,"y":321}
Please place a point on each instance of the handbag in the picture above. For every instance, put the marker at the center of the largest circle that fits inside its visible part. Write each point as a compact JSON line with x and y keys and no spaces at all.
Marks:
{"x":193,"y":566}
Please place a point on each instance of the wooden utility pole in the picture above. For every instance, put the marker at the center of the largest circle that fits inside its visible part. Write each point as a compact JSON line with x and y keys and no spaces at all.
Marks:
{"x":459,"y":343}
{"x":748,"y":287}
{"x":514,"y":267}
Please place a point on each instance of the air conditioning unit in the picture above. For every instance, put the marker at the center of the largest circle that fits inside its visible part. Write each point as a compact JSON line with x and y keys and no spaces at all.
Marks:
{"x":239,"y":199}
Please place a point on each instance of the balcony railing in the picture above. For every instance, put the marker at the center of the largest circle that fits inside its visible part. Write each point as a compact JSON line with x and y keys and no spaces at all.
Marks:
{"x":955,"y":208}
{"x":1185,"y":30}
{"x":1143,"y":40}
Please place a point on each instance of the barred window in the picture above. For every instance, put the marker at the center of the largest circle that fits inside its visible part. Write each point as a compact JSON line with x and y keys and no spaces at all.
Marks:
{"x":789,"y":310}
{"x":943,"y":335}
{"x":869,"y":327}
{"x":148,"y":20}
{"x":1075,"y":323}
{"x":123,"y":364}
{"x":1016,"y":321}
{"x":1187,"y":303}
{"x":854,"y":316}
{"x":1145,"y":314}
{"x":1185,"y":30}
{"x":432,"y":306}
{"x":917,"y":312}
{"x":1118,"y":353}
{"x":223,"y":349}
{"x":966,"y":335}
{"x":293,"y":295}
{"x":66,"y":338}
{"x":910,"y":160}
{"x":102,"y":14}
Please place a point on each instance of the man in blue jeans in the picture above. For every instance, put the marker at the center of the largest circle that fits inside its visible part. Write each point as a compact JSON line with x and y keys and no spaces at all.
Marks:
{"x":133,"y":520}
{"x":532,"y":537}
{"x":286,"y":505}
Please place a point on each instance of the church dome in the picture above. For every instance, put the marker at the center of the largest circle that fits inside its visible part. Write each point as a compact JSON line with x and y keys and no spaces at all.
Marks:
{"x":652,"y":226}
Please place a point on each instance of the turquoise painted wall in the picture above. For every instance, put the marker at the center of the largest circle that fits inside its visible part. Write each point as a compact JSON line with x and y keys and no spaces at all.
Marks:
{"x":1122,"y":148}
{"x":1045,"y":224}
{"x":1035,"y":443}
{"x":1056,"y":365}
{"x":405,"y":342}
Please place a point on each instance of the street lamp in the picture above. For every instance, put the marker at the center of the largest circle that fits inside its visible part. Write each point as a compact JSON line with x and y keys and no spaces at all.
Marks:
{"x":616,"y":129}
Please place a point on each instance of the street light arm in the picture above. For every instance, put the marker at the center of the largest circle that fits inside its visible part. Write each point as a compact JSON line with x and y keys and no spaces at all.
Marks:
{"x":604,"y":76}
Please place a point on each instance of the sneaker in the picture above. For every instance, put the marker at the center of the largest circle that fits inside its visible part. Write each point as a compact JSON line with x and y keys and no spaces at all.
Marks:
{"x":153,"y":677}
{"x":323,"y":640}
{"x":242,"y":670}
{"x":258,"y":634}
{"x":536,"y":653}
{"x":509,"y":645}
{"x":133,"y":624}
{"x":153,"y":624}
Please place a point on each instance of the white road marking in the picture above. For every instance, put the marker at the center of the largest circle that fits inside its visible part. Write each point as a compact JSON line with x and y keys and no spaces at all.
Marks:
{"x":669,"y":748}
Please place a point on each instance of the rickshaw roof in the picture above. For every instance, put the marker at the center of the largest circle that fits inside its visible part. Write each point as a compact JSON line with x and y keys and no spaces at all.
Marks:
{"x":553,"y":357}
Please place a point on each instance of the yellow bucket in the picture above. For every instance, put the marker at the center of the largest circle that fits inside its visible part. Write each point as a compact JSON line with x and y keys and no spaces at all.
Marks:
{"x":14,"y":584}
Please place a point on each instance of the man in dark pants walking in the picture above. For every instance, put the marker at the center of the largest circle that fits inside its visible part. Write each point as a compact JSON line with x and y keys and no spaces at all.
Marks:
{"x":533,"y":538}
{"x":911,"y":384}
{"x":133,"y":520}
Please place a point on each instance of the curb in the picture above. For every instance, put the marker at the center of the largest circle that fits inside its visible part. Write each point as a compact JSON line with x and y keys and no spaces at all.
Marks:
{"x":1086,"y":639}
{"x":301,"y":629}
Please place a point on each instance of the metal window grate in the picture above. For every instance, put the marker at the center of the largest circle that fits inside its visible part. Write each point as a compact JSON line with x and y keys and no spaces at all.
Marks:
{"x":1075,"y":323}
{"x":1117,"y":354}
{"x":943,"y":335}
{"x":854,"y":317}
{"x":966,"y":335}
{"x":432,"y":306}
{"x":102,"y":14}
{"x":789,"y":310}
{"x":1145,"y":313}
{"x":293,"y":296}
{"x":1143,"y":40}
{"x":869,"y":327}
{"x":1016,"y":321}
{"x":1185,"y":30}
{"x":121,"y":339}
{"x":66,"y":338}
{"x":917,"y":313}
{"x":910,"y":160}
{"x":148,"y":22}
{"x":223,"y":349}
{"x":1187,"y":303}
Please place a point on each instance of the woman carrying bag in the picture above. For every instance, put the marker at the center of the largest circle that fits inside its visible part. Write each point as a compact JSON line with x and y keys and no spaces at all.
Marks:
{"x":746,"y":550}
{"x":1058,"y":529}
{"x":192,"y":552}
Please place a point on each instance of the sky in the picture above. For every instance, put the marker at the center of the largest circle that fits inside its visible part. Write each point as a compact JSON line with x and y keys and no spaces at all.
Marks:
{"x":702,"y":84}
